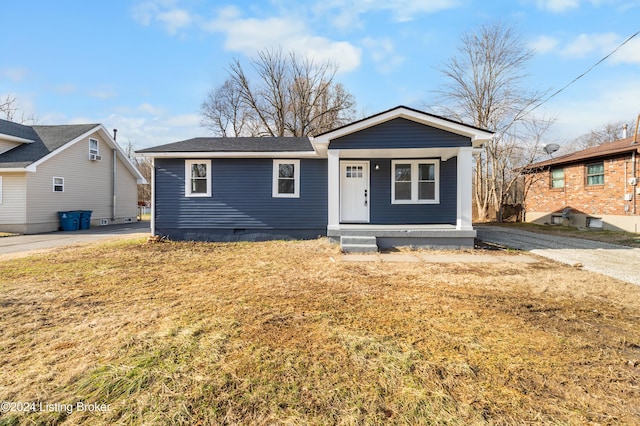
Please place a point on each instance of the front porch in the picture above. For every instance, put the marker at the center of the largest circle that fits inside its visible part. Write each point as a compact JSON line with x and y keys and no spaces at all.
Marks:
{"x":368,"y":237}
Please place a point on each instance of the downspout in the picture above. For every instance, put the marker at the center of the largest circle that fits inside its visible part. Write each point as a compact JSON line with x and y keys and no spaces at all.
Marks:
{"x":115,"y":160}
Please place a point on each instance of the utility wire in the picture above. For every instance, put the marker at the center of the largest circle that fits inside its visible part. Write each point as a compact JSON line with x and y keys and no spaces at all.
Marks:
{"x":584,"y":73}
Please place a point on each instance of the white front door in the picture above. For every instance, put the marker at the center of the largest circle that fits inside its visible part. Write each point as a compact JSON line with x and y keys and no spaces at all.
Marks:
{"x":354,"y":191}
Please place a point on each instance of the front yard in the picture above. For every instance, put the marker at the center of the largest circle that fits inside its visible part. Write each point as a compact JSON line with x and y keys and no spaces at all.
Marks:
{"x":287,"y":333}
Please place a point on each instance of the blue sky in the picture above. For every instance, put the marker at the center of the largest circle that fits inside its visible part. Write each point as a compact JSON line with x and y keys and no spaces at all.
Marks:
{"x":145,"y":66}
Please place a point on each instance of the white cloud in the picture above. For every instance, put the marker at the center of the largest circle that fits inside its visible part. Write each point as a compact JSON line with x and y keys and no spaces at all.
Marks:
{"x":558,"y":6}
{"x":102,"y":94}
{"x":346,"y":14}
{"x":544,"y":44}
{"x":15,"y":74}
{"x":382,"y":52}
{"x":585,"y":44}
{"x":248,"y":35}
{"x":629,"y":53}
{"x":175,"y":20}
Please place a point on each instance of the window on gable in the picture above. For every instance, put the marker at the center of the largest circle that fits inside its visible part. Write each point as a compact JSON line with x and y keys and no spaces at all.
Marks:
{"x":197,"y":178}
{"x":415,"y":182}
{"x":58,"y":184}
{"x":286,"y":178}
{"x":595,"y":174}
{"x":557,"y":178}
{"x":93,"y":147}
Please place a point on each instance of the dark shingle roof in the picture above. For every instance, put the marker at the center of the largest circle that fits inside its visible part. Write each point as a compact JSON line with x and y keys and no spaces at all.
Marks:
{"x":46,"y":140}
{"x":601,"y":151}
{"x":257,"y":144}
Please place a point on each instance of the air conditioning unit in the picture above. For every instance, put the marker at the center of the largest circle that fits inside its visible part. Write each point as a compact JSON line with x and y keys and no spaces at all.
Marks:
{"x":95,"y":157}
{"x":633,"y":181}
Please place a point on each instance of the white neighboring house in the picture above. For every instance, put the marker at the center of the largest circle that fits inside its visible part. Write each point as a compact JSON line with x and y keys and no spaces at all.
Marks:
{"x":47,"y":169}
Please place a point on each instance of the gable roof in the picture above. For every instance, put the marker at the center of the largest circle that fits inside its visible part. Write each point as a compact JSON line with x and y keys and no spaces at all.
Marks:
{"x":604,"y":150}
{"x":42,"y":141}
{"x":477,"y":135}
{"x":229,"y":145}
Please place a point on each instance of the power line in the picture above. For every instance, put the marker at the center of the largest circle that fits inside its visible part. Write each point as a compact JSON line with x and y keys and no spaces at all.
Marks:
{"x":584,"y":73}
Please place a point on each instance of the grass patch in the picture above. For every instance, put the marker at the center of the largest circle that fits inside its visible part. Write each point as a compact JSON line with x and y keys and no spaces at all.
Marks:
{"x":285,"y":333}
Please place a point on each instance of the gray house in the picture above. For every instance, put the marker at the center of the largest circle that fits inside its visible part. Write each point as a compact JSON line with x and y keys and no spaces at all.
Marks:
{"x":400,"y":177}
{"x":46,"y":169}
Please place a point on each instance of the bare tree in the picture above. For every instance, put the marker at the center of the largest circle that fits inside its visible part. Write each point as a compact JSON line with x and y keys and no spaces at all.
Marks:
{"x":485,"y":87}
{"x":290,"y":97}
{"x":609,"y":132}
{"x":9,"y":109}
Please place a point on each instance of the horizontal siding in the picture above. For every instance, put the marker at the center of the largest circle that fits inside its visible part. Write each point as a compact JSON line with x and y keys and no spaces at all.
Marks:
{"x":400,"y":133}
{"x":383,"y":212}
{"x":12,"y":206}
{"x":88,"y":185}
{"x":241,"y":197}
{"x":126,"y":192}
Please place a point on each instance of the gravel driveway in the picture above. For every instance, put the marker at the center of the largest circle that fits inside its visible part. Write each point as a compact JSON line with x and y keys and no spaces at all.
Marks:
{"x":612,"y":260}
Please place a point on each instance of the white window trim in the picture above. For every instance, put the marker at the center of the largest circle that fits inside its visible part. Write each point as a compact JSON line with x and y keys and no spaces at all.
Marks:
{"x":296,"y":177}
{"x":54,"y":183}
{"x":187,"y":178}
{"x":414,"y":181}
{"x":97,"y":150}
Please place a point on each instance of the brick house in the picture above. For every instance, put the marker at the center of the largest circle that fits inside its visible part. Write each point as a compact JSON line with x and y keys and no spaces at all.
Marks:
{"x":593,"y":188}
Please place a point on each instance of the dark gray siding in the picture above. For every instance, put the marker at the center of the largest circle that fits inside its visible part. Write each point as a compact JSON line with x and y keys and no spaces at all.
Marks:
{"x":382,"y":212}
{"x":241,"y":206}
{"x":400,"y":133}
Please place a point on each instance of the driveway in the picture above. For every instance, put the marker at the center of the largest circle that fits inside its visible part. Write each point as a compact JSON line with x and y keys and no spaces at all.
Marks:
{"x":23,"y":245}
{"x":615,"y":261}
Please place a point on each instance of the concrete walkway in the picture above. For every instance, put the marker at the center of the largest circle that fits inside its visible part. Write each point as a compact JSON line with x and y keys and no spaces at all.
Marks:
{"x":24,"y":245}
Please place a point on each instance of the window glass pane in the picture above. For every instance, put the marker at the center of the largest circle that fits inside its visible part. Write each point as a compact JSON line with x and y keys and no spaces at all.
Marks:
{"x":595,"y":180}
{"x":557,"y":173}
{"x":198,"y":186}
{"x":426,"y":190}
{"x":286,"y":186}
{"x":403,"y":190}
{"x":198,"y":170}
{"x":427,"y":172}
{"x":403,"y":173}
{"x":286,"y":170}
{"x":593,"y":169}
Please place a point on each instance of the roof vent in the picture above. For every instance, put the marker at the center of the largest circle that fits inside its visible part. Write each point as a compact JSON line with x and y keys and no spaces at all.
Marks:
{"x":624,"y":131}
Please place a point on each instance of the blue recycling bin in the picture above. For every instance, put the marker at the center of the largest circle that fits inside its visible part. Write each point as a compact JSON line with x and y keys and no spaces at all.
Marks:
{"x":85,"y":219}
{"x":69,"y":221}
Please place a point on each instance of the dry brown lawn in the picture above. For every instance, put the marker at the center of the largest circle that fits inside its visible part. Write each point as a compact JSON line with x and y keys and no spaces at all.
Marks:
{"x":287,"y":333}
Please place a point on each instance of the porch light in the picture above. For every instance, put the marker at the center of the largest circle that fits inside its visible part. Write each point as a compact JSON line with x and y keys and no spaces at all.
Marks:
{"x":377,"y":166}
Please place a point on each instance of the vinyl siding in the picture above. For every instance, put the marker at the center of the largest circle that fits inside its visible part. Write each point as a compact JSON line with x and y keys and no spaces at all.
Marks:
{"x":6,"y":146}
{"x":13,"y":203}
{"x":383,"y":212}
{"x":87,"y":186}
{"x":400,"y":133}
{"x":241,"y":198}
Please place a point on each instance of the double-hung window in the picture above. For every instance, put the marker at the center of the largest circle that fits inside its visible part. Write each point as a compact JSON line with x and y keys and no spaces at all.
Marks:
{"x":58,"y":184}
{"x":197,"y":178}
{"x":286,"y":179}
{"x":415,"y":182}
{"x":595,"y":174}
{"x":557,"y":178}
{"x":93,"y":147}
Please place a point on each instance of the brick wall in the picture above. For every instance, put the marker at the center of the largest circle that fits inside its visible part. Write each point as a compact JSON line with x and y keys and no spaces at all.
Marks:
{"x":607,"y":199}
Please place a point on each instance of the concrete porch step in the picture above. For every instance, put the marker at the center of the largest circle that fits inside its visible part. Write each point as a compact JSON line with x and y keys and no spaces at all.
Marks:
{"x":358,"y":244}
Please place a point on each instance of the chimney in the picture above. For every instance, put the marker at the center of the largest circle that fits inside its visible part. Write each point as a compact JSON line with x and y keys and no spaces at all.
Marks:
{"x":115,"y":132}
{"x":624,"y":131}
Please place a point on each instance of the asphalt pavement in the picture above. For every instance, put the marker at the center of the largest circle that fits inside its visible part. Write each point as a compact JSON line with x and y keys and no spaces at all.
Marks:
{"x":22,"y":245}
{"x":613,"y":260}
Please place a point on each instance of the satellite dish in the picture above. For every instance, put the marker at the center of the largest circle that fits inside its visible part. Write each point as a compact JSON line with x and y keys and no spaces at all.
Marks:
{"x":551,"y":148}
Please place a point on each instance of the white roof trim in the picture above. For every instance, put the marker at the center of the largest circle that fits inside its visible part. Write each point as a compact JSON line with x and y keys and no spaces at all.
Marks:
{"x":10,"y":138}
{"x":478,"y":136}
{"x":110,"y":141}
{"x":214,"y":154}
